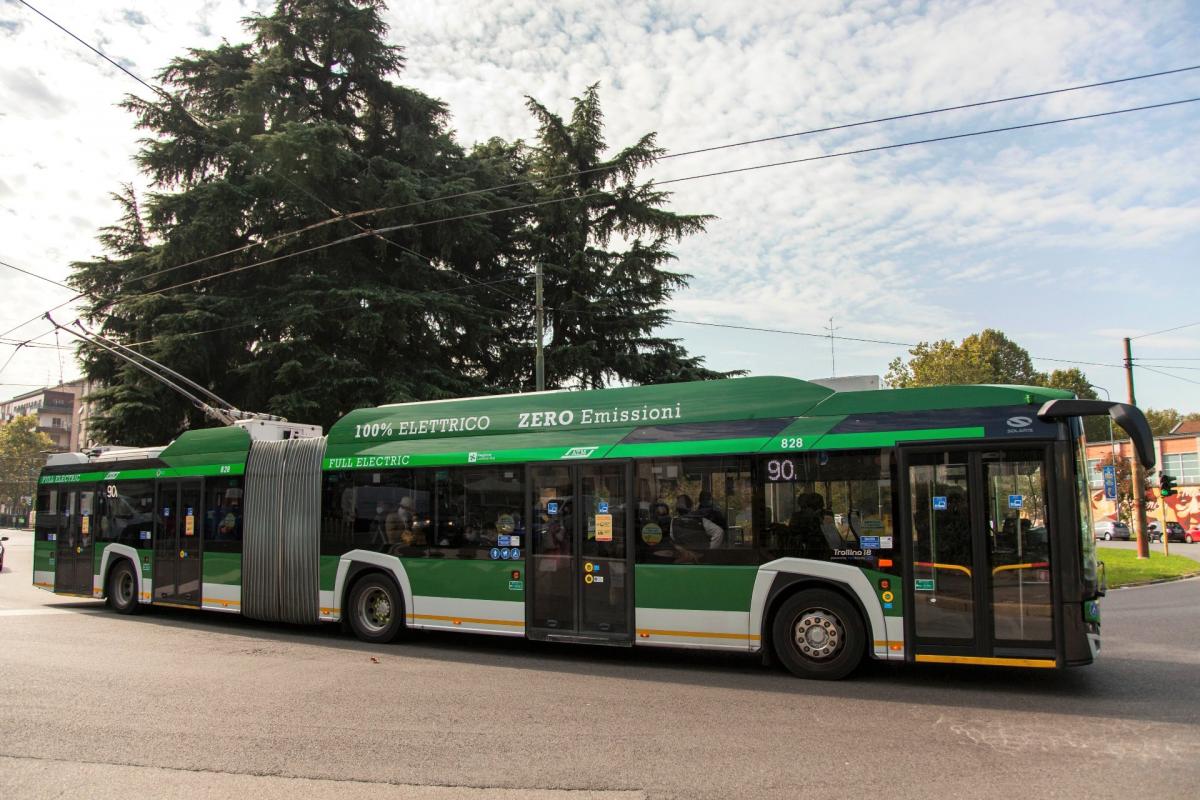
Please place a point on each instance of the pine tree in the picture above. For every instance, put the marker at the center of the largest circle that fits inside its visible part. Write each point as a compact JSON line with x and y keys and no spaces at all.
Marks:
{"x":259,"y":139}
{"x":603,"y":304}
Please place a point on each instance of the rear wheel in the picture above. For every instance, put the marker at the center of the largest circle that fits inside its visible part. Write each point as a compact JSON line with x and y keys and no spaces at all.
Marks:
{"x":1108,"y":537}
{"x":1188,"y":538}
{"x":122,"y":588}
{"x":376,"y":609}
{"x":818,"y":634}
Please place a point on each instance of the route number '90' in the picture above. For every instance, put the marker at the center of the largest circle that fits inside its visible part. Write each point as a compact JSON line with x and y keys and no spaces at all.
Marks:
{"x":781,"y":469}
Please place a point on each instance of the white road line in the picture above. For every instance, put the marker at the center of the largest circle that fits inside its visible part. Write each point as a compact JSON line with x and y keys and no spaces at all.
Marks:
{"x":32,"y":612}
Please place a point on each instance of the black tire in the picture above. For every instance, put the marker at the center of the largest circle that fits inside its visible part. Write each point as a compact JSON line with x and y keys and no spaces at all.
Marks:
{"x":1108,"y":537}
{"x":376,"y":610}
{"x":818,"y":634}
{"x":1188,"y":538}
{"x":123,"y":588}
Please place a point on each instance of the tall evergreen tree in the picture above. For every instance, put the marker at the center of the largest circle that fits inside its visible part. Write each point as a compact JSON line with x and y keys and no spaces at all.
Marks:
{"x":604,"y":302}
{"x":299,"y":124}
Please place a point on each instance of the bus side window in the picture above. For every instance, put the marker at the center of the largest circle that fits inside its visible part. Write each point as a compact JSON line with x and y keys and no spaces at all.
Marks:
{"x":223,"y":515}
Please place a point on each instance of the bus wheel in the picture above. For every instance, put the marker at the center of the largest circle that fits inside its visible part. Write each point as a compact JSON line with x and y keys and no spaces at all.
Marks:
{"x":376,"y":609}
{"x":122,"y":588}
{"x":818,"y":634}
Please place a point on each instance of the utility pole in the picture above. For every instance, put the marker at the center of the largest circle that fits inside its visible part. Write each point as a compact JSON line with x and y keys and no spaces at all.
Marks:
{"x":832,"y":357}
{"x":540,"y":360}
{"x":1137,"y":476}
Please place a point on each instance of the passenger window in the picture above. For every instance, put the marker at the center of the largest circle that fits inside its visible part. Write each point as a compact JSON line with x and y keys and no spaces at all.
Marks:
{"x":128,"y":513}
{"x":829,"y":506}
{"x":693,"y":511}
{"x":223,"y":515}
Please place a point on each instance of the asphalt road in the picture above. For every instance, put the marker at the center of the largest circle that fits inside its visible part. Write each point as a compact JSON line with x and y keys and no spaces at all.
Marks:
{"x":195,"y":705}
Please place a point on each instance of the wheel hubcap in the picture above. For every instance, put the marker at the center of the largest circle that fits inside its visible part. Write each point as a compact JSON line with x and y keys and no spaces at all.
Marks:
{"x":376,"y":610}
{"x":819,"y":634}
{"x":125,"y":589}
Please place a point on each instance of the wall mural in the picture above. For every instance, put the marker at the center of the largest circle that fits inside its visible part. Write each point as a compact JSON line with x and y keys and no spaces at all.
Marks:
{"x":1183,"y":507}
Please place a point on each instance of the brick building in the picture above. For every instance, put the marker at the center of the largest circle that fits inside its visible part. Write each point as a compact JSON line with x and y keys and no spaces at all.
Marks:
{"x":1177,"y":454}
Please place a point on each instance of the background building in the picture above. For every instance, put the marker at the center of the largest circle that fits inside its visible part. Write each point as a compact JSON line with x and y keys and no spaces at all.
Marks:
{"x":1177,"y":454}
{"x":62,"y":413}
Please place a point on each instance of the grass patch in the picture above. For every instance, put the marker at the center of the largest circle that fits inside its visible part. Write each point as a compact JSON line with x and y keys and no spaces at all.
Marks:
{"x":1123,"y":567}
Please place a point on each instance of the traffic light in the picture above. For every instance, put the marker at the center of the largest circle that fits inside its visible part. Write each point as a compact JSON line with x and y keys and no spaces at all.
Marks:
{"x":1166,"y":485}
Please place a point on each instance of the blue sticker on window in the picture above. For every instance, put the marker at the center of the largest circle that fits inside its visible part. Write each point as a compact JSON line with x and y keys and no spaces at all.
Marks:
{"x":503,"y":541}
{"x":939,"y":503}
{"x":503,"y":552}
{"x":552,"y":508}
{"x":144,"y":534}
{"x":494,"y":552}
{"x":514,"y":554}
{"x":603,"y":507}
{"x":869,"y":542}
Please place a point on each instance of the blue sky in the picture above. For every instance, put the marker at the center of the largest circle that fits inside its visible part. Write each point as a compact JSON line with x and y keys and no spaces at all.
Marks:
{"x":1067,"y":238}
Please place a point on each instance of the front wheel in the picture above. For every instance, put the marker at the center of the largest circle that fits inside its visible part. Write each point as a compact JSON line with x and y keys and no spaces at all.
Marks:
{"x":1188,"y":538}
{"x":376,"y":610}
{"x":818,"y":634}
{"x":122,"y":588}
{"x":1108,"y":537}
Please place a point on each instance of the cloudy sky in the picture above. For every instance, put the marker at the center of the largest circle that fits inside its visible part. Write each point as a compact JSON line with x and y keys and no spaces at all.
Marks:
{"x":1067,"y":237}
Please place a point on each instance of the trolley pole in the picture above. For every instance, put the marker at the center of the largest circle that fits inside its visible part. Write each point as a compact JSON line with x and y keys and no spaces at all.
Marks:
{"x":540,"y":360}
{"x":1137,"y":476}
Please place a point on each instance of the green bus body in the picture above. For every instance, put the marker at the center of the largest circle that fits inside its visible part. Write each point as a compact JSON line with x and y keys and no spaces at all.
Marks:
{"x":951,"y":519}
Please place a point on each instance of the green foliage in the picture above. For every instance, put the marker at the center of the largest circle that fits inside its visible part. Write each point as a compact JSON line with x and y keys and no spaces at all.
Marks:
{"x":22,"y":454}
{"x":985,"y":357}
{"x":1163,"y":420}
{"x":990,"y":357}
{"x":603,"y":303}
{"x":305,"y":122}
{"x":1123,"y":568}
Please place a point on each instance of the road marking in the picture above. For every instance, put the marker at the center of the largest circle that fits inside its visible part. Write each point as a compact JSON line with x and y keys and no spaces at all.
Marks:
{"x":32,"y":612}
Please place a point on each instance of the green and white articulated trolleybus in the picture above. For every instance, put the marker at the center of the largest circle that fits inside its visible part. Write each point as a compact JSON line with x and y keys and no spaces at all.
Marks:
{"x":763,"y":514}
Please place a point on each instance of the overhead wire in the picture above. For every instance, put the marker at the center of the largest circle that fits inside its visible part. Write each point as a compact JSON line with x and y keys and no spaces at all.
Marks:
{"x":351,"y":216}
{"x":1168,"y":375}
{"x":36,"y":275}
{"x":378,"y":232}
{"x":701,"y":176}
{"x":1167,"y":330}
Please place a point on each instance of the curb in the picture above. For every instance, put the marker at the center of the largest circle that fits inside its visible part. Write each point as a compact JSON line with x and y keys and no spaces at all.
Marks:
{"x":1155,"y":581}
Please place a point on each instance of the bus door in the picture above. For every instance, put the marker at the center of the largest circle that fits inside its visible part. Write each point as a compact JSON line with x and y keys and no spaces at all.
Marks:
{"x":978,"y":530}
{"x":177,"y":563}
{"x":580,"y":563}
{"x":75,"y":534}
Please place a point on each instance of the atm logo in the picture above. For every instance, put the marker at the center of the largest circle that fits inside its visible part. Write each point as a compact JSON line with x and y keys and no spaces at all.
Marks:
{"x":580,"y":452}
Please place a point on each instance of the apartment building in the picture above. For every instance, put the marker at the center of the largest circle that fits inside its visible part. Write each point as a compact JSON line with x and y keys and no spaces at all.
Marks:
{"x":62,"y":413}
